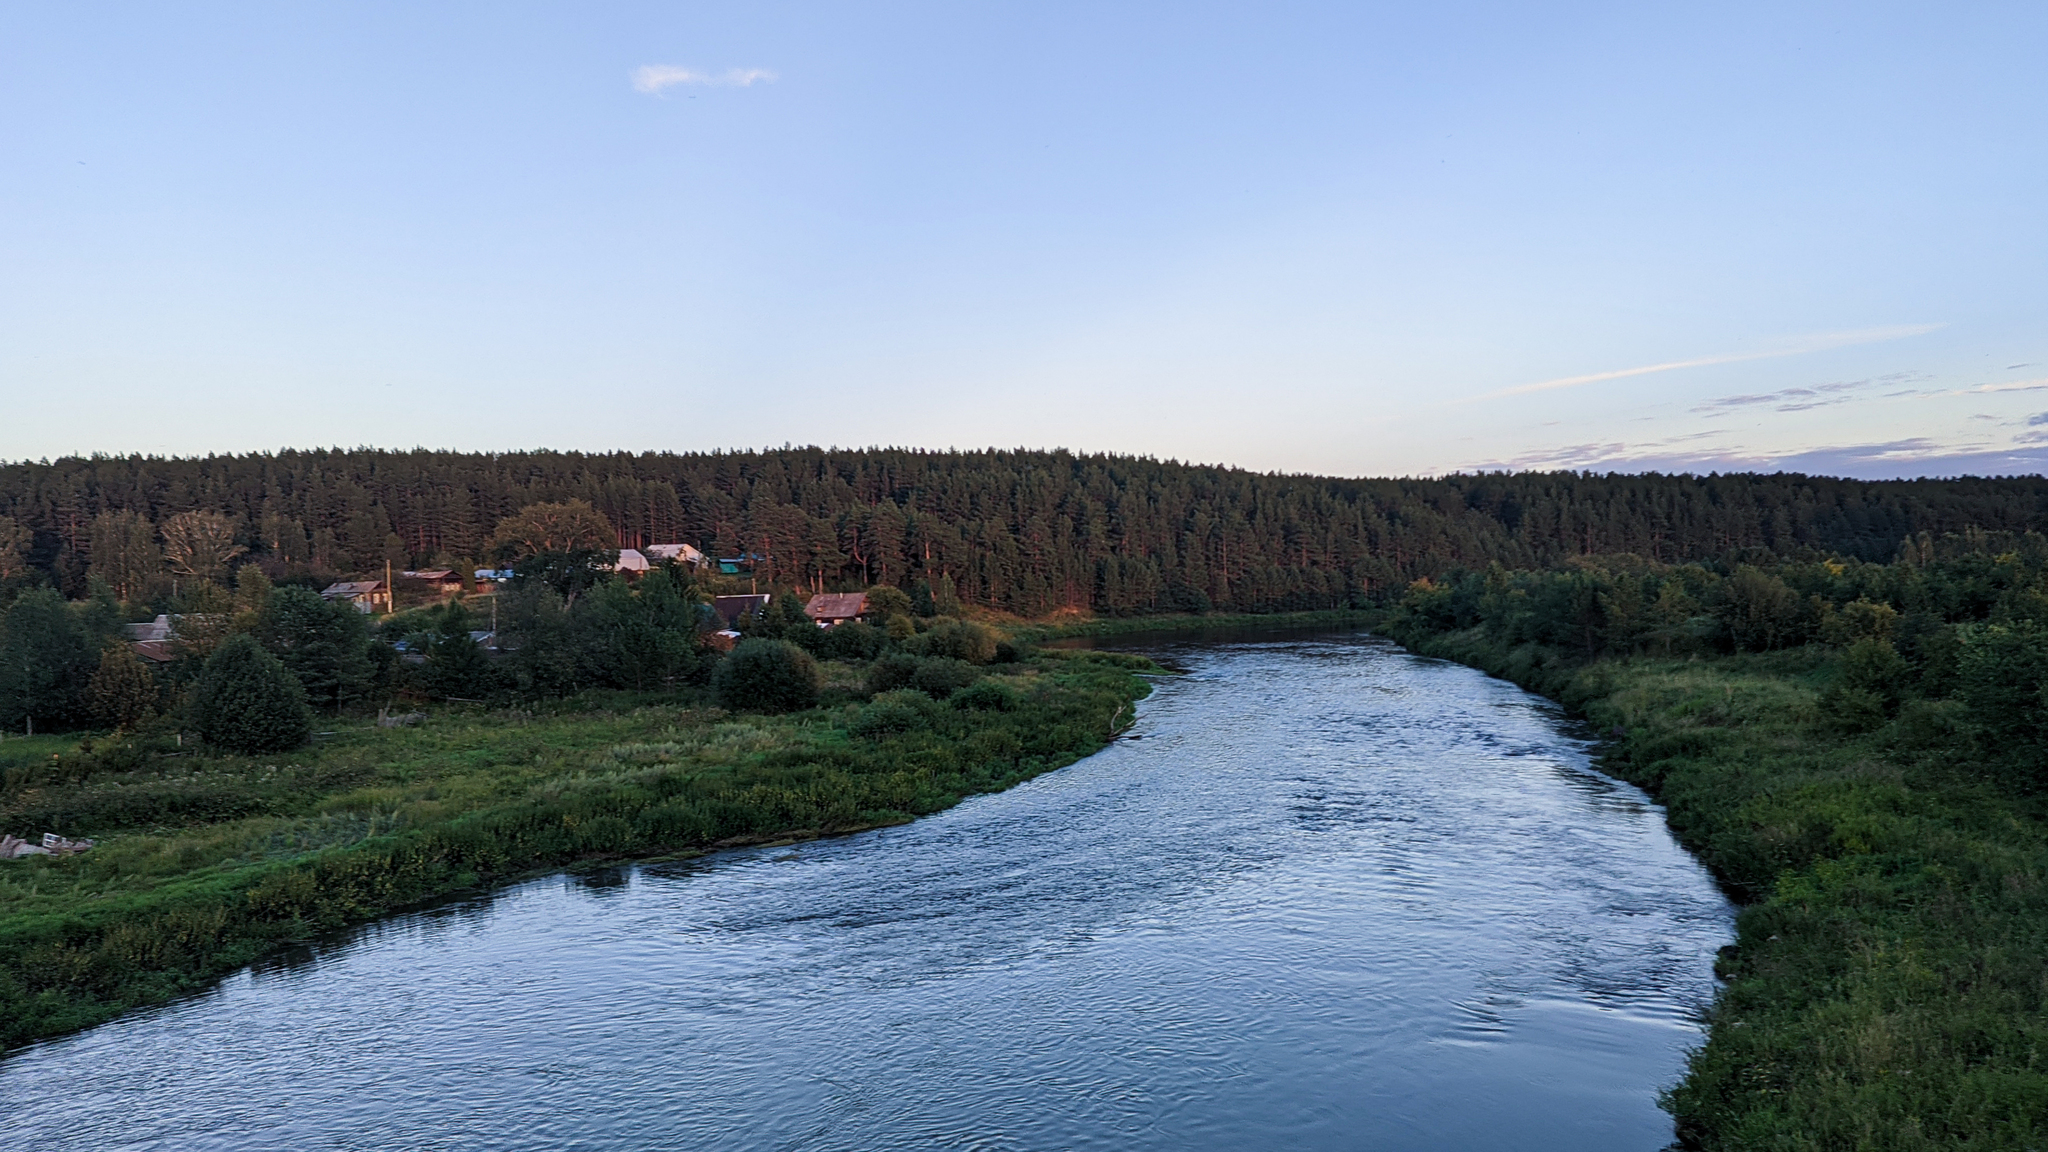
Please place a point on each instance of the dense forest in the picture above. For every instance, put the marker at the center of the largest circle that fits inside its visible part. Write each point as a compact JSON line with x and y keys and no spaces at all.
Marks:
{"x":1024,"y":532}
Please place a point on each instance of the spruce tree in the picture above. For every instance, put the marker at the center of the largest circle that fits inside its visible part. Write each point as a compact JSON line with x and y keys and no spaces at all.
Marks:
{"x":248,"y":702}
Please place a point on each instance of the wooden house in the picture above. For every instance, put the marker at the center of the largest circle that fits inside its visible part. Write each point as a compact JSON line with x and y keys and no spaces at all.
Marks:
{"x":444,"y":581}
{"x":831,"y":609}
{"x":367,"y":595}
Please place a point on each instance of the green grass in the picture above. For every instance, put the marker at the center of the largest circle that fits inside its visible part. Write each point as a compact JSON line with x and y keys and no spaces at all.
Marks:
{"x":205,"y":864}
{"x":1889,"y":984}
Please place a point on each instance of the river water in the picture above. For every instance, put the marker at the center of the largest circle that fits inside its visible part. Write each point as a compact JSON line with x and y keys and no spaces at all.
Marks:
{"x":1335,"y":896}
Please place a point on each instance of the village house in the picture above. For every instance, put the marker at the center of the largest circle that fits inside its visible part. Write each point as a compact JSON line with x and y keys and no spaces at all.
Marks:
{"x":680,"y":553}
{"x":366,"y":595}
{"x":731,"y":608}
{"x":488,"y":579}
{"x":831,"y":609}
{"x":444,"y":581}
{"x":157,"y":629}
{"x":155,"y":651}
{"x":154,"y":641}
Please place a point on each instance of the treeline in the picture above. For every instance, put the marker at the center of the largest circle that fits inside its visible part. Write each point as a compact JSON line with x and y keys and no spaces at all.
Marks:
{"x":1962,"y":618}
{"x":1025,"y":532}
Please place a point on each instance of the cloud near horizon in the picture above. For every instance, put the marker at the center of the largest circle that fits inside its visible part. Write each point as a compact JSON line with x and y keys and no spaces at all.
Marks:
{"x":1816,"y":396}
{"x":1816,"y":342}
{"x":1918,"y":456}
{"x":654,"y":79}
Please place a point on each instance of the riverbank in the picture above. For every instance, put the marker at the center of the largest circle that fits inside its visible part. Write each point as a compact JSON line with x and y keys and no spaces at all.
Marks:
{"x":1040,"y":632}
{"x":1887,"y":987}
{"x":206,"y":864}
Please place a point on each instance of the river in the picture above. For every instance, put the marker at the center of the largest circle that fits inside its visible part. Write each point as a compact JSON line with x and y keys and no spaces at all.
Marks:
{"x":1330,"y":896}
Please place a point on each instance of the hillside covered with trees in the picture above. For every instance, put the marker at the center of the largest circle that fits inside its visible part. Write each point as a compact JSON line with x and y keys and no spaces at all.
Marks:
{"x":1023,"y":532}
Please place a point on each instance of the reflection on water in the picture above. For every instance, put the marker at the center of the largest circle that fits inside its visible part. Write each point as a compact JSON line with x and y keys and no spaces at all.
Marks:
{"x":1336,"y":897}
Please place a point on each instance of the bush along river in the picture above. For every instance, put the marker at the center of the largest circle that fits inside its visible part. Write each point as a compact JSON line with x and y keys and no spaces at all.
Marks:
{"x":1327,"y":894}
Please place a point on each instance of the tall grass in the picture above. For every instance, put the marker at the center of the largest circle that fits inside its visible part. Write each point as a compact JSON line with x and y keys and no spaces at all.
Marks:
{"x":1888,"y":989}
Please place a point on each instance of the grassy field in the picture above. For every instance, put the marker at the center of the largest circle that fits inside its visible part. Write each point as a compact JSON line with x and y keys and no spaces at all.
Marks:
{"x":1888,"y":986}
{"x":206,"y":863}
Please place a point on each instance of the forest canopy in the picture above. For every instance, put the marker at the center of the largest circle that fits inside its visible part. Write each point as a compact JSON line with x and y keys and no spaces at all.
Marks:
{"x":1020,"y":531}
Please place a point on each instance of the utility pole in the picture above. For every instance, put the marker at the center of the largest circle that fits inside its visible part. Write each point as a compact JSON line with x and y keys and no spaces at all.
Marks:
{"x":390,"y":601}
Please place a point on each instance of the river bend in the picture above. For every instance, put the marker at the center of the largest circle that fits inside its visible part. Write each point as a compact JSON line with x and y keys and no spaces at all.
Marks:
{"x":1335,"y":896}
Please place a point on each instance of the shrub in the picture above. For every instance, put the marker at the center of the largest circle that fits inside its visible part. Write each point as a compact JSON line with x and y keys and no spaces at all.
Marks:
{"x":1872,"y":678}
{"x":961,"y":640}
{"x":896,"y":670}
{"x":247,"y":702}
{"x":985,"y":696}
{"x":942,"y":676}
{"x":892,"y":713}
{"x":766,"y":676}
{"x":853,"y":641}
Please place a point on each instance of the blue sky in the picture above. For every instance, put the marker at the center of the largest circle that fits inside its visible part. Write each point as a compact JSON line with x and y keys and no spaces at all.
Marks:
{"x":1343,"y":238}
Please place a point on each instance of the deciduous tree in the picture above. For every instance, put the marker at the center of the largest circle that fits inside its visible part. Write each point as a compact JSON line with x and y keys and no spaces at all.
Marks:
{"x":122,"y":693}
{"x":200,"y":544}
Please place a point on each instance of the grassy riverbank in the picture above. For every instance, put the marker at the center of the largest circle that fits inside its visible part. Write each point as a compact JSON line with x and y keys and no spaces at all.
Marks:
{"x":1888,"y":986}
{"x":206,"y":863}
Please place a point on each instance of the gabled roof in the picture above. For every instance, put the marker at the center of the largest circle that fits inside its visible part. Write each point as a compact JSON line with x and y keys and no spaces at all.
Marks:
{"x":731,"y":608}
{"x":630,"y":560}
{"x":836,"y":605}
{"x":351,"y":588}
{"x":155,"y":651}
{"x":157,"y":629}
{"x":431,"y":574}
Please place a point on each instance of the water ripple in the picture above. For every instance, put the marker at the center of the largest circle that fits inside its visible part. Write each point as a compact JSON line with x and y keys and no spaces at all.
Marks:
{"x":1338,"y":897}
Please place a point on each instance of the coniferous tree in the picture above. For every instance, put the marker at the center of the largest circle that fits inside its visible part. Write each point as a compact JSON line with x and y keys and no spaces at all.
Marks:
{"x":324,"y":644}
{"x":246,"y":701}
{"x":455,"y":665}
{"x":15,"y":539}
{"x":124,"y":553}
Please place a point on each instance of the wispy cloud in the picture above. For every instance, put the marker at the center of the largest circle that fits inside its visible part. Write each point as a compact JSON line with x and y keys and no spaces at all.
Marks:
{"x":654,"y":79}
{"x":1816,"y":396}
{"x":1914,"y":456}
{"x":2034,"y":385}
{"x":1817,"y":342}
